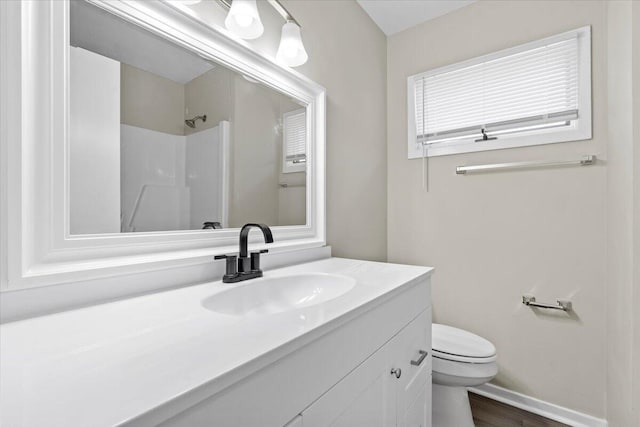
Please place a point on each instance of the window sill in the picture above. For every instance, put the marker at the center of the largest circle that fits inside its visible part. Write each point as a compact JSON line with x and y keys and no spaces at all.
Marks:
{"x":522,"y":140}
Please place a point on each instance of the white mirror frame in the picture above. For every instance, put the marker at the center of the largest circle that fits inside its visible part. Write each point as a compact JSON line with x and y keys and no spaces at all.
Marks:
{"x":40,"y":250}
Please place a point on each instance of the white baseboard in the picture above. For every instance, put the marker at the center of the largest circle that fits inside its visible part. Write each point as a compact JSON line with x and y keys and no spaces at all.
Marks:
{"x":539,"y":407}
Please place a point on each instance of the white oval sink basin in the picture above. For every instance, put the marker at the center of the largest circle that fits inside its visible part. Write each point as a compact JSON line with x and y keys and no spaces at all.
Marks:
{"x":279,"y":294}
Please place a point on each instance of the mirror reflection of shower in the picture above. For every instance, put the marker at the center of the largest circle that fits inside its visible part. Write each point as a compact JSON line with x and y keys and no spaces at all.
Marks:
{"x":192,"y":122}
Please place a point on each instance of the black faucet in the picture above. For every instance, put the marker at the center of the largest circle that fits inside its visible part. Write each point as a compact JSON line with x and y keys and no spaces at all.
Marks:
{"x":248,"y":265}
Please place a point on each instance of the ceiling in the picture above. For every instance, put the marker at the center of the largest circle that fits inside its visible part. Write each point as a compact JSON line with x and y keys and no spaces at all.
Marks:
{"x":393,"y":16}
{"x":101,"y":32}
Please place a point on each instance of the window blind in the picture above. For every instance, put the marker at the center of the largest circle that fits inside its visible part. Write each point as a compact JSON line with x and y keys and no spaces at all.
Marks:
{"x":295,"y":136}
{"x":534,"y":88}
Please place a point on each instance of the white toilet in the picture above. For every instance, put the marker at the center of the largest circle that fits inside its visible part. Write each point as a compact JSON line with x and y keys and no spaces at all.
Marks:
{"x":460,"y":360}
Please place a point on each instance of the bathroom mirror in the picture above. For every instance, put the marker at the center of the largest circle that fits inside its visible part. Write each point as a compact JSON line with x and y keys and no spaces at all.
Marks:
{"x":115,"y":170}
{"x":163,"y":139}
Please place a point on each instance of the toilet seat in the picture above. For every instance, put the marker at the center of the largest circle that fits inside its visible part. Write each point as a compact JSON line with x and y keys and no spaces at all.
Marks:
{"x":457,"y":345}
{"x":463,"y":359}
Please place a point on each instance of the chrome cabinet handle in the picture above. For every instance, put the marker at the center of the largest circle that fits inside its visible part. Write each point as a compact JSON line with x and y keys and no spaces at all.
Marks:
{"x":397,"y":372}
{"x":423,"y":355}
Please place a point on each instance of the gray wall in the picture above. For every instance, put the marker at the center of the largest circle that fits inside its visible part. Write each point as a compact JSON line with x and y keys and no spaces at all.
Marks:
{"x":254,"y":193}
{"x":151,"y":102}
{"x":347,"y":54}
{"x":496,"y":236}
{"x":211,"y":93}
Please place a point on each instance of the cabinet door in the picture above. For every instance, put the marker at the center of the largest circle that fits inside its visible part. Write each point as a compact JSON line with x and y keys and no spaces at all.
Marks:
{"x":409,"y":355}
{"x":372,"y":396}
{"x":419,"y":412}
{"x":365,"y":397}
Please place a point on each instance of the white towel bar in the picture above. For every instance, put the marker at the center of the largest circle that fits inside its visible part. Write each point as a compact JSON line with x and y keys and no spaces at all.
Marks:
{"x":585,"y":161}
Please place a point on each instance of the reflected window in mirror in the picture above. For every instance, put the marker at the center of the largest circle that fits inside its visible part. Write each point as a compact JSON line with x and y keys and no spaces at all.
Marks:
{"x":294,"y":141}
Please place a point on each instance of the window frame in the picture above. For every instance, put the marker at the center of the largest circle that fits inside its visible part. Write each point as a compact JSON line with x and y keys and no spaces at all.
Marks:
{"x":578,"y":130}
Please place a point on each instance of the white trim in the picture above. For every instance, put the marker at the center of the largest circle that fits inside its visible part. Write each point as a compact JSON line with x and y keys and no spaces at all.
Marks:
{"x":8,"y":113}
{"x":581,"y":130}
{"x":539,"y":407}
{"x":40,"y":250}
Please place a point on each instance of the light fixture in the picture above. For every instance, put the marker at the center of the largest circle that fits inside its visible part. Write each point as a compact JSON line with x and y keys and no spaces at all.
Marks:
{"x":188,"y":2}
{"x":291,"y":51}
{"x":243,"y":19}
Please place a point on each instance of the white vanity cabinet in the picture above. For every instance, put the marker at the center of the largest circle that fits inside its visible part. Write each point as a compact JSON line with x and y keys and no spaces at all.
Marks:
{"x":342,"y":378}
{"x":386,"y":389}
{"x":168,"y":359}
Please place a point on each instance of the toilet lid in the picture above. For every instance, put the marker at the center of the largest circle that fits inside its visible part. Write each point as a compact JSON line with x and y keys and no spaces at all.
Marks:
{"x":457,"y":342}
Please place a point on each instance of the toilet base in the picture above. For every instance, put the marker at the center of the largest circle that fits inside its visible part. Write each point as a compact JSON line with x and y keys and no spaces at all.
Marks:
{"x":451,"y":407}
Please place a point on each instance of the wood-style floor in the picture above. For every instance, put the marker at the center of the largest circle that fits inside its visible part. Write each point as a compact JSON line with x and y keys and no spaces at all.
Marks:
{"x":490,"y":413}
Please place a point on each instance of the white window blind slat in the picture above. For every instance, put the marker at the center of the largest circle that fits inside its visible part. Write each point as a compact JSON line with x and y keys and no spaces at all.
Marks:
{"x":534,"y":87}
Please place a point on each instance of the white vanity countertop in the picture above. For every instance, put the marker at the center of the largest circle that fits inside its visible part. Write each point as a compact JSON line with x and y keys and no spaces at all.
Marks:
{"x":108,"y":364}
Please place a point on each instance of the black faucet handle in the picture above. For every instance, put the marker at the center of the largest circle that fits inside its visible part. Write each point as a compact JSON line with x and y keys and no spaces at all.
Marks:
{"x":232,"y":266}
{"x":255,"y":259}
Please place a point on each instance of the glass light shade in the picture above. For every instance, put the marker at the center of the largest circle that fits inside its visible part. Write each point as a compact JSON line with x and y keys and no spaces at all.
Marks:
{"x":291,"y":50}
{"x":243,"y":19}
{"x":189,"y":2}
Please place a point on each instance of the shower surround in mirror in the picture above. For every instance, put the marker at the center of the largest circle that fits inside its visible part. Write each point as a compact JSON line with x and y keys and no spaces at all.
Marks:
{"x":180,"y":179}
{"x":143,"y":157}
